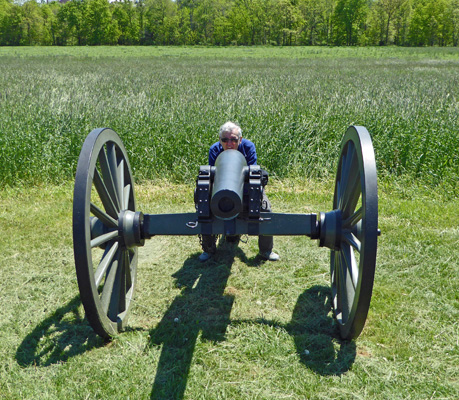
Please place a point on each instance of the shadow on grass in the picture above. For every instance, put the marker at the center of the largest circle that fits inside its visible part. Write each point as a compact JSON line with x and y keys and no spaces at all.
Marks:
{"x":316,"y":336}
{"x":59,"y":337}
{"x":203,"y":306}
{"x":314,"y":331}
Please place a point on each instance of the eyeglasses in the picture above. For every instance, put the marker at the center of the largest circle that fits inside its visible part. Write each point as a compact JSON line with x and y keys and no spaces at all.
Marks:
{"x":233,"y":140}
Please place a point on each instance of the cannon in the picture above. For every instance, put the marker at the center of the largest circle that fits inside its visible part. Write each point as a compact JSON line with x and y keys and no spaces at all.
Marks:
{"x":108,"y":229}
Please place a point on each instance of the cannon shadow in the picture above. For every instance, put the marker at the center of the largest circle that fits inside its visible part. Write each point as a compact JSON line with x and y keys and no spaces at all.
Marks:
{"x":314,"y":331}
{"x":316,"y":335}
{"x":57,"y":338}
{"x":202,"y":307}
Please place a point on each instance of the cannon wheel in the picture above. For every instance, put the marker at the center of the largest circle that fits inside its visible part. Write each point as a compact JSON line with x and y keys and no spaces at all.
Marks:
{"x":106,"y":270}
{"x":352,"y":265}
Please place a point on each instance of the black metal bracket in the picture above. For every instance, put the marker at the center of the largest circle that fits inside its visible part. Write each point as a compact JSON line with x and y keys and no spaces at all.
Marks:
{"x":255,"y":198}
{"x":255,"y":191}
{"x":203,"y":192}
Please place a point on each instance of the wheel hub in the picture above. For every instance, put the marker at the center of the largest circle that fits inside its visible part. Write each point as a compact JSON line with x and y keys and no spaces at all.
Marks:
{"x":330,"y":225}
{"x":130,"y":229}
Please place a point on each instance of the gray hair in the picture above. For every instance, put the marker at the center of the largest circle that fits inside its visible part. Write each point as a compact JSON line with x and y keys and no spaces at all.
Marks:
{"x":230,"y":127}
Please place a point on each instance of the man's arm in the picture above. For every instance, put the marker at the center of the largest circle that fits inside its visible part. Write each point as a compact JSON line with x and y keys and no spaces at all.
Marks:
{"x":250,"y":153}
{"x":214,"y":151}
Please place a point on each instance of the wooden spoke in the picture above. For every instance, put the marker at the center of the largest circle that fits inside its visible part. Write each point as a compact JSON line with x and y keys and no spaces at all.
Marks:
{"x":105,"y":262}
{"x":104,"y":195}
{"x":109,"y":178}
{"x":106,"y":237}
{"x":103,"y":216}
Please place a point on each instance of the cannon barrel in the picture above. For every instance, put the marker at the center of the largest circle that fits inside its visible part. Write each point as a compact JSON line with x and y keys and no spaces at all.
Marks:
{"x":228,"y":187}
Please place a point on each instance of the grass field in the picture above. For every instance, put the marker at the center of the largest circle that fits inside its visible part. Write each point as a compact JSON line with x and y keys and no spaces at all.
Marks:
{"x":235,"y":328}
{"x":439,"y":53}
{"x":168,"y":103}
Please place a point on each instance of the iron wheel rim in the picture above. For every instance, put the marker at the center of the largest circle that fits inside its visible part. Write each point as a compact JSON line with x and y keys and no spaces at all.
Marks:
{"x":352,"y":265}
{"x":103,"y":188}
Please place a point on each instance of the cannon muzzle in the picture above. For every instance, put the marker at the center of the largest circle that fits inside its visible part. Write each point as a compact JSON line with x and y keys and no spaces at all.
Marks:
{"x":228,"y":187}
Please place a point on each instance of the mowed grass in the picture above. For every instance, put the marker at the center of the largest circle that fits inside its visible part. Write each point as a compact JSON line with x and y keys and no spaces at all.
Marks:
{"x":168,"y":103}
{"x":233,"y":328}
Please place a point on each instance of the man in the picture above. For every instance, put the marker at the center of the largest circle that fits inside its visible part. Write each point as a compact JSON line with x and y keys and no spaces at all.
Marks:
{"x":231,"y":139}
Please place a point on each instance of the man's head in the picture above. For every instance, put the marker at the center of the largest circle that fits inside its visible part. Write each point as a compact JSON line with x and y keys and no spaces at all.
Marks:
{"x":230,"y":136}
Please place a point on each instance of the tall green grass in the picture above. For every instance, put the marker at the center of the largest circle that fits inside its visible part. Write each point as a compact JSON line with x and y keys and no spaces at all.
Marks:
{"x":167,"y":105}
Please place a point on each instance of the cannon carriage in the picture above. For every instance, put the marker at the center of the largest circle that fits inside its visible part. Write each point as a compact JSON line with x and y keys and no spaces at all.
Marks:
{"x":108,"y":229}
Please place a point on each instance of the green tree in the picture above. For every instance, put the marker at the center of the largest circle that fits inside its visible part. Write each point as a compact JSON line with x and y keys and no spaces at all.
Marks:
{"x":245,"y":23}
{"x":125,"y":13}
{"x":317,"y":16}
{"x":224,"y":22}
{"x":5,"y":21}
{"x":31,"y":23}
{"x":288,"y":22}
{"x":222,"y":31}
{"x":263,"y":14}
{"x":186,"y":35}
{"x":159,"y":21}
{"x":72,"y":18}
{"x":204,"y":14}
{"x":384,"y":15}
{"x":13,"y":27}
{"x":402,"y":23}
{"x":427,"y":25}
{"x":50,"y":25}
{"x":102,"y":28}
{"x":349,"y":19}
{"x":452,"y":16}
{"x":374,"y":34}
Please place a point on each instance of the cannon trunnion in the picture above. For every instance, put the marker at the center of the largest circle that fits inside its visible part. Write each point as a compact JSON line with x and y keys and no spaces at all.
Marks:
{"x":228,"y":200}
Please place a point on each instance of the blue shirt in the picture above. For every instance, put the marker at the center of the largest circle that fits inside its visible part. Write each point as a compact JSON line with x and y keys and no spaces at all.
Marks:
{"x":246,"y":147}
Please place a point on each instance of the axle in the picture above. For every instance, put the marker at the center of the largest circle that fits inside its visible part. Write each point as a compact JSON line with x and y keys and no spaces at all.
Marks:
{"x":135,"y":227}
{"x":269,"y":224}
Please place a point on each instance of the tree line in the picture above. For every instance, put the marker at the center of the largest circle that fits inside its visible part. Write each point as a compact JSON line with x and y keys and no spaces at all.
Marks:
{"x":231,"y":22}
